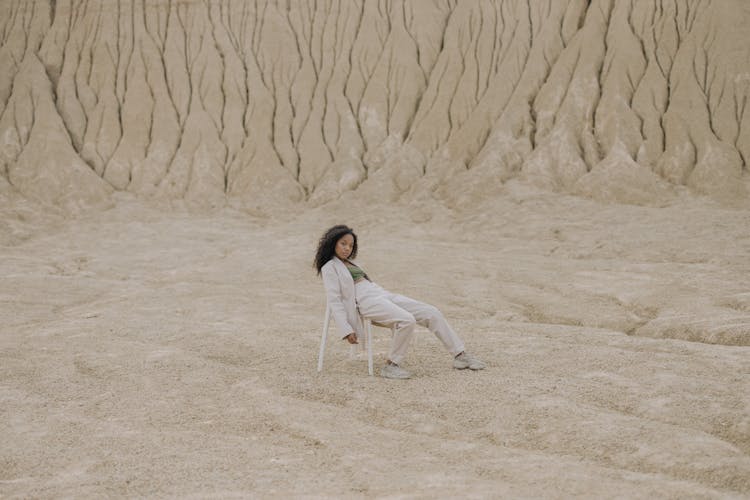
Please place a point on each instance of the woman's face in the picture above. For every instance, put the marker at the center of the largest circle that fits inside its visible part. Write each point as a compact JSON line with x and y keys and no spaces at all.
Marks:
{"x":344,"y":246}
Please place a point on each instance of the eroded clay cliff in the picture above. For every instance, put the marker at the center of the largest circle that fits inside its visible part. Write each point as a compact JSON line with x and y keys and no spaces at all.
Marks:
{"x":275,"y":102}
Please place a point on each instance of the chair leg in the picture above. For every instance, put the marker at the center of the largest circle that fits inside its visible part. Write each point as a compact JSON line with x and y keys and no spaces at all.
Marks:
{"x":323,"y":338}
{"x":369,"y":347}
{"x":353,"y":347}
{"x":368,"y":340}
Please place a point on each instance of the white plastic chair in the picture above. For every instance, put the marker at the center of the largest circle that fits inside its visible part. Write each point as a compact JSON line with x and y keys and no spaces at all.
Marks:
{"x":366,"y":324}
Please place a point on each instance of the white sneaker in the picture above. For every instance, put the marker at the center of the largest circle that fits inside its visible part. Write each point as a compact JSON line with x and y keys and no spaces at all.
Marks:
{"x":466,"y":360}
{"x":394,"y":371}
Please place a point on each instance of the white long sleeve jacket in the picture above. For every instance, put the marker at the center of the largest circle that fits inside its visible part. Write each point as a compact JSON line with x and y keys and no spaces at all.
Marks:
{"x":339,"y":286}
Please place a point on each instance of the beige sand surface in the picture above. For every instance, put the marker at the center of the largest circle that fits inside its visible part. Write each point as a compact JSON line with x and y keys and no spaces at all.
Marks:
{"x":152,"y":353}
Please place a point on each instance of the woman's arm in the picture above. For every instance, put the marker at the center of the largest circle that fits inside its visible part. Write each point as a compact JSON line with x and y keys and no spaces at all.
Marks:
{"x":333,"y":295}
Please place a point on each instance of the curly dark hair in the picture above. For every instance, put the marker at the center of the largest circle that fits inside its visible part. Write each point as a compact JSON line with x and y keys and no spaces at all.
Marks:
{"x":327,"y":245}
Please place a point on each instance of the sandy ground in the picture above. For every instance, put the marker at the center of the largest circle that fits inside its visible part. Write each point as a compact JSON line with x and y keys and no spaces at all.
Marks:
{"x":146,"y":352}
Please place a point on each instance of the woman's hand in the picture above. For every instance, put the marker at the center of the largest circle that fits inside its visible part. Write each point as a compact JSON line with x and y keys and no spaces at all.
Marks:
{"x":352,"y":338}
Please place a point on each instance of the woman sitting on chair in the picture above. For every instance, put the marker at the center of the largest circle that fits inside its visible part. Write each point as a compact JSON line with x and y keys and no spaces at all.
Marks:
{"x":348,"y":288}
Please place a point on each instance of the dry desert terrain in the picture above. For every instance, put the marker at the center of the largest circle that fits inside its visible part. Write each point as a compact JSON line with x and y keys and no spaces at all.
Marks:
{"x":566,"y":180}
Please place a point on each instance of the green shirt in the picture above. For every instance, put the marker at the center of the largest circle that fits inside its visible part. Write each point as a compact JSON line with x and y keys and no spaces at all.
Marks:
{"x":357,"y":273}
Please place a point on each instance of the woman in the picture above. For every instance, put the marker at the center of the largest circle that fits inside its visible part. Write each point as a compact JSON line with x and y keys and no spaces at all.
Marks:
{"x":348,"y":288}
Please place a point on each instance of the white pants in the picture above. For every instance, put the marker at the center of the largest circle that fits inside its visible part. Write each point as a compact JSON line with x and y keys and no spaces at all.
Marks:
{"x":402,"y":313}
